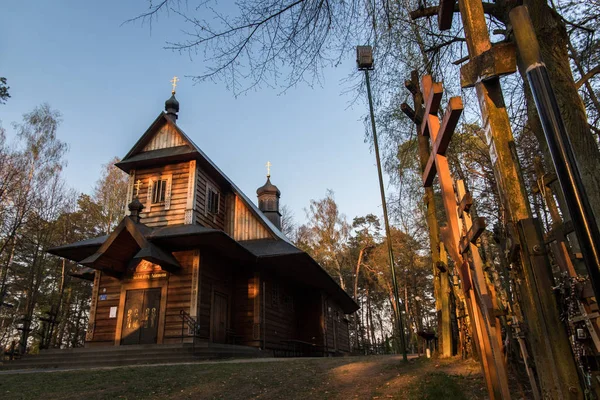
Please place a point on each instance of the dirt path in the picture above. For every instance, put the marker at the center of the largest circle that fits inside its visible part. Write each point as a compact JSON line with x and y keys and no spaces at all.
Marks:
{"x":374,"y":377}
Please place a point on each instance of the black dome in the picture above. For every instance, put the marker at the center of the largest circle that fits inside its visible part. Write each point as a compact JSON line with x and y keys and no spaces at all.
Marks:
{"x":268,"y":188}
{"x":172,"y":105}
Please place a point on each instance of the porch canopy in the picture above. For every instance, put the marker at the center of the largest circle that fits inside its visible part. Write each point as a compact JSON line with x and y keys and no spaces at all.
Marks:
{"x":131,"y":242}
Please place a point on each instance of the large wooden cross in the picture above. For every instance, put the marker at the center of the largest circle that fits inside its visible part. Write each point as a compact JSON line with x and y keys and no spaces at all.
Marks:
{"x":461,"y":230}
{"x":440,"y":136}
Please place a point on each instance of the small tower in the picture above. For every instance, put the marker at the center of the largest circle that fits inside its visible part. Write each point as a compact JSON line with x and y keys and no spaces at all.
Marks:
{"x":268,"y":200}
{"x":172,"y":105}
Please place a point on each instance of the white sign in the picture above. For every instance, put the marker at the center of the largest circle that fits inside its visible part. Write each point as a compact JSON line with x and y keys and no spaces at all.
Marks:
{"x":113,"y":312}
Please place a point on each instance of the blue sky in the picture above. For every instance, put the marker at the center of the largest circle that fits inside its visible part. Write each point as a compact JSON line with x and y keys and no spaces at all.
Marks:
{"x":110,"y":81}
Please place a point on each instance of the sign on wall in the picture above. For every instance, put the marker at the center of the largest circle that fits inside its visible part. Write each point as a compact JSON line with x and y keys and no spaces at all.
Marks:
{"x":148,"y":271}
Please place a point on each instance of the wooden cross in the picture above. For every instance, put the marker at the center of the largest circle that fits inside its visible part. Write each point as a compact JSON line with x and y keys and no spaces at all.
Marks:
{"x":137,"y":187}
{"x":174,"y":83}
{"x":430,"y":126}
{"x":268,"y":165}
{"x":440,"y":138}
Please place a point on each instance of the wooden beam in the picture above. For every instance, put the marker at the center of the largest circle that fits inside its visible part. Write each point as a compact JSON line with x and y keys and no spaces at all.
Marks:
{"x":433,"y":97}
{"x":449,"y":122}
{"x":411,"y":114}
{"x":430,"y":171}
{"x":499,"y":60}
{"x":412,"y":87}
{"x":465,"y":203}
{"x":464,"y":277}
{"x":443,"y":137}
{"x":475,"y":231}
{"x":445,"y":14}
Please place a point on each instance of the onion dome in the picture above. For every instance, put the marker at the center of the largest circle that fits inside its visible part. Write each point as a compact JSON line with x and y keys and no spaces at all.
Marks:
{"x":172,"y":107}
{"x":268,"y":187}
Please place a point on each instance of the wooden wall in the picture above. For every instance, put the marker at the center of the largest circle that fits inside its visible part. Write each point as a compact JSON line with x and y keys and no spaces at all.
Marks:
{"x":246,"y":313}
{"x":167,"y":136}
{"x":179,"y":289}
{"x":158,"y":216}
{"x":203,"y":218}
{"x":105,"y":327}
{"x":179,"y":295}
{"x":215,"y":275}
{"x":309,"y":309}
{"x":280,"y":322}
{"x":336,"y":328}
{"x":241,"y":223}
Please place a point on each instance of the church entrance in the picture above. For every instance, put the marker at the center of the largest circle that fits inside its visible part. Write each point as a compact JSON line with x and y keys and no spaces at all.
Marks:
{"x":219,"y":319}
{"x":140,"y":319}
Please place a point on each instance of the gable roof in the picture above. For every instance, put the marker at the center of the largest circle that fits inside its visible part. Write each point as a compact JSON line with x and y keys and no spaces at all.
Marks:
{"x":137,"y":157}
{"x":130,"y":240}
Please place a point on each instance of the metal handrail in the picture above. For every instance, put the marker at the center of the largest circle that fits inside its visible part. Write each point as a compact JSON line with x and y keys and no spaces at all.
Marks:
{"x":193,"y":326}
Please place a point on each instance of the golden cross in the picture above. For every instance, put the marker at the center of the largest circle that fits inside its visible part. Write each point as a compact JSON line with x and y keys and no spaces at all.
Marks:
{"x":137,"y":187}
{"x":268,"y":165}
{"x":174,"y":83}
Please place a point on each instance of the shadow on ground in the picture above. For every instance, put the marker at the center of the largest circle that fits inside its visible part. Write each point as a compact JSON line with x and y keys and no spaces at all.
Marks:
{"x":374,"y":377}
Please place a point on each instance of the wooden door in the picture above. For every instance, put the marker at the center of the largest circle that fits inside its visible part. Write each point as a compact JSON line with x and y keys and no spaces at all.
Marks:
{"x":219,"y":318}
{"x":149,"y":324}
{"x":140,"y":319}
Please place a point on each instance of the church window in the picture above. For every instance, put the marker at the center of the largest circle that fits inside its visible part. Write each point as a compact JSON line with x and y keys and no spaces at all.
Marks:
{"x":212,"y":200}
{"x":158,"y":191}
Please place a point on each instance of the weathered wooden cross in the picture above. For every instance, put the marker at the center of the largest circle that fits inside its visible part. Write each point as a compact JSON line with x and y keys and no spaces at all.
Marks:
{"x":479,"y":304}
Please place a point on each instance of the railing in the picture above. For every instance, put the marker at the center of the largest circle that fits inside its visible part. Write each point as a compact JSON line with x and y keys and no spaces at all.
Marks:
{"x":193,"y":327}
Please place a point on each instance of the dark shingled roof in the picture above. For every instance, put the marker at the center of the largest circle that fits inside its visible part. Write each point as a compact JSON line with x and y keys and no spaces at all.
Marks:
{"x":268,"y":247}
{"x":281,"y":257}
{"x":169,"y":154}
{"x":79,"y":250}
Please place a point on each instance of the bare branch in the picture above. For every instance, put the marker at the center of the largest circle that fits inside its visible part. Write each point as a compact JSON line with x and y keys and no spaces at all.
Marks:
{"x":588,"y":75}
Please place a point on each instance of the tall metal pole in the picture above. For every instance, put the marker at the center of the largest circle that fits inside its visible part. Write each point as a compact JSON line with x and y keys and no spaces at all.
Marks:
{"x":559,"y":144}
{"x":387,"y":224}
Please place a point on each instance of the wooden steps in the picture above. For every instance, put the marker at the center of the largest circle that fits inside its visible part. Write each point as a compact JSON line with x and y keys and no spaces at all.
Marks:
{"x":131,"y":355}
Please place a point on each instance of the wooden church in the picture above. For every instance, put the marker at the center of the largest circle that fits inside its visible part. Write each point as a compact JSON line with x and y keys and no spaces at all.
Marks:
{"x":195,"y":260}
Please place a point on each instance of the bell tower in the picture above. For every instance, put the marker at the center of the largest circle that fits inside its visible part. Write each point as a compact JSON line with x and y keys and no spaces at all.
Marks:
{"x":268,"y":200}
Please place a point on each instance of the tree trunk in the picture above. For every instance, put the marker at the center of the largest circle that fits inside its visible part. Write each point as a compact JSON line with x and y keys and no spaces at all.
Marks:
{"x":553,"y":39}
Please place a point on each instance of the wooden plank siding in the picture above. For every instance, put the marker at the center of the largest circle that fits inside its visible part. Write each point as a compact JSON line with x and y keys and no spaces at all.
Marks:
{"x":280,"y":322}
{"x":242,"y":224}
{"x":166,"y":137}
{"x":179,"y":296}
{"x":158,"y":216}
{"x":179,"y":285}
{"x":336,"y":328}
{"x":105,"y":327}
{"x":215,"y":276}
{"x":204,"y":218}
{"x":246,"y":290}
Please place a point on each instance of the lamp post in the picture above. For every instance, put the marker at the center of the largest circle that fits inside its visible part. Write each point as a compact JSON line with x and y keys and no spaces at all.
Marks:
{"x":364,"y":61}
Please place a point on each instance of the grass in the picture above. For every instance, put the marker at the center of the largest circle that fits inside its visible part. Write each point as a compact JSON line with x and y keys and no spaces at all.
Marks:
{"x":338,"y":378}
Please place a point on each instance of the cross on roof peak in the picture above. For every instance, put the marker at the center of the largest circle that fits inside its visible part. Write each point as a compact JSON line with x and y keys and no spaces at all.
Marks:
{"x":174,"y":83}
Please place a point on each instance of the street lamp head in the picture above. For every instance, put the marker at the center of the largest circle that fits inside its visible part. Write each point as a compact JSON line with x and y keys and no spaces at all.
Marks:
{"x":364,"y":57}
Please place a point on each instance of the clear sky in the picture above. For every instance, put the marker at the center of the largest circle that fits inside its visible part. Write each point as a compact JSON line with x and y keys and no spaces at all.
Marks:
{"x":110,"y":81}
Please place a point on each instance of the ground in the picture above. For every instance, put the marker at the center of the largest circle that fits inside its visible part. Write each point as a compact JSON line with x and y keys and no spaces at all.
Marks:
{"x":373,"y":377}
